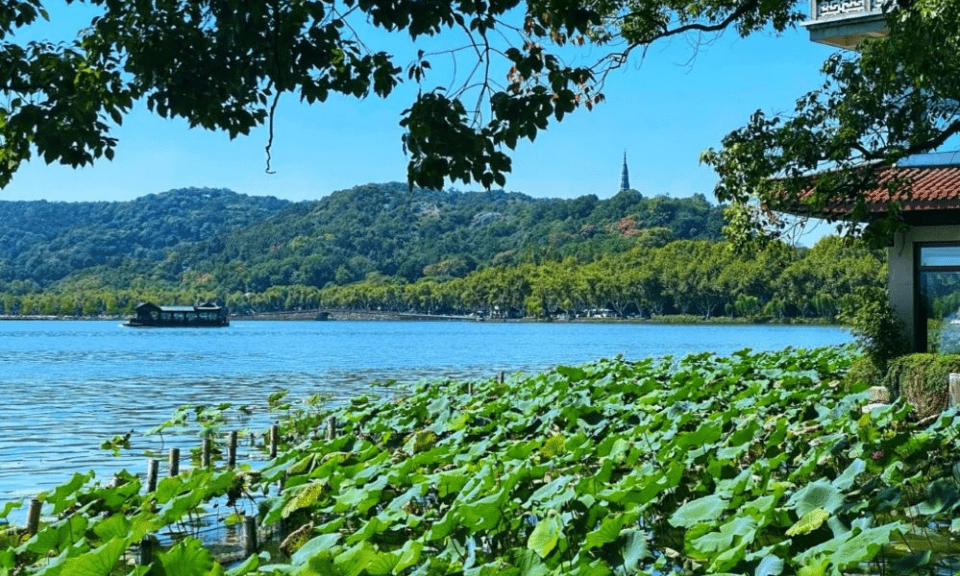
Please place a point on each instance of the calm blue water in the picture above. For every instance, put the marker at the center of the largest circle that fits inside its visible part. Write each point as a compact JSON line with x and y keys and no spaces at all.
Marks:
{"x":68,"y":386}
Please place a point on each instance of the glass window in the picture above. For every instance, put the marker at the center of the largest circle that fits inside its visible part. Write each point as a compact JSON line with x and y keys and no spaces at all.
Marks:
{"x":938,"y":290}
{"x":940,"y":256}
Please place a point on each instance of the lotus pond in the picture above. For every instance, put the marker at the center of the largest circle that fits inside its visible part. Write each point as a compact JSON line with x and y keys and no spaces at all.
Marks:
{"x":758,"y":464}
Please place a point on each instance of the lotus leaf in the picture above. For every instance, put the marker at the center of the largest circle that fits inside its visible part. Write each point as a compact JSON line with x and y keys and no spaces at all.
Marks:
{"x":98,"y":562}
{"x":609,"y":529}
{"x":356,"y":559}
{"x":849,"y":476}
{"x":545,"y":536}
{"x":809,"y":522}
{"x":635,"y":548}
{"x":770,"y":566}
{"x":188,"y":558}
{"x":819,"y":494}
{"x":305,"y":496}
{"x":941,"y":495}
{"x":702,"y":510}
{"x":909,"y":563}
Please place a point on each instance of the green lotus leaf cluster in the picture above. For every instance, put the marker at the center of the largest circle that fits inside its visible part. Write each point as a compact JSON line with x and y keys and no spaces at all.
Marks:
{"x":756,"y":463}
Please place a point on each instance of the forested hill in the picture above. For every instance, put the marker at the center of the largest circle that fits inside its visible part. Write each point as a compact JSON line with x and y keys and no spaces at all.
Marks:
{"x":42,"y":242}
{"x":237,"y":242}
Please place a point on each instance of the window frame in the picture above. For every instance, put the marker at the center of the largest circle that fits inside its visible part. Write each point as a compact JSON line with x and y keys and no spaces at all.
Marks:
{"x":920,"y":313}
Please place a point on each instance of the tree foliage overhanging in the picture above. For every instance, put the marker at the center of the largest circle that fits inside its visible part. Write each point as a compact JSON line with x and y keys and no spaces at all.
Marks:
{"x":223,"y":65}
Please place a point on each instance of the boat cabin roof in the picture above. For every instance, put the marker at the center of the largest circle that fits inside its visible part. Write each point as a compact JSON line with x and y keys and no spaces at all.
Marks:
{"x":206,"y":306}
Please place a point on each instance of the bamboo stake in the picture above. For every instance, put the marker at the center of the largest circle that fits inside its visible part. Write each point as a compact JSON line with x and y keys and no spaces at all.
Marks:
{"x":205,"y":455}
{"x":174,"y":462}
{"x":153,"y":469}
{"x":146,"y":551}
{"x":232,"y":450}
{"x":33,"y":516}
{"x":250,"y":535}
{"x":274,"y":439}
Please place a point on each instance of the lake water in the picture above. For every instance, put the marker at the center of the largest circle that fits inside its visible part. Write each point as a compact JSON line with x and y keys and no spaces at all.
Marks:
{"x":69,"y":386}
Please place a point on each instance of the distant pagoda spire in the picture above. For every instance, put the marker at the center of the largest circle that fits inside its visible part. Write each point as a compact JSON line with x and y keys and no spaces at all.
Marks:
{"x":624,"y":174}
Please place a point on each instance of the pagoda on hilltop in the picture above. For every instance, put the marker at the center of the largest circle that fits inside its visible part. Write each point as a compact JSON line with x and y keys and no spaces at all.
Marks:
{"x":624,"y":174}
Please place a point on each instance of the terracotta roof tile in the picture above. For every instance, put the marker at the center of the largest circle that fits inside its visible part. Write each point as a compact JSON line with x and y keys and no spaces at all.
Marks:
{"x":931,"y":189}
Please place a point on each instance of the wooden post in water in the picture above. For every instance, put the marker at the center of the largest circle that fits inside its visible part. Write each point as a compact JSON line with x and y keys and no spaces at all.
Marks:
{"x":33,"y":516}
{"x":174,"y":462}
{"x":250,"y":535}
{"x":153,"y":469}
{"x":205,"y":455}
{"x":331,"y":428}
{"x":500,"y":377}
{"x":232,"y":450}
{"x":146,"y":551}
{"x":274,"y":439}
{"x":954,"y":390}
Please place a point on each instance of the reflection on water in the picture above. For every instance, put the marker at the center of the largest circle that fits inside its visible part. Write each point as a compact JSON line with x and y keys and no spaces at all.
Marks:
{"x":69,"y":386}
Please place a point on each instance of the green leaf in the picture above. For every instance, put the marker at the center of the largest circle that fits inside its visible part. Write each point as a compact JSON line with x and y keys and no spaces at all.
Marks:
{"x":770,"y":566}
{"x":98,"y":562}
{"x":608,"y":530}
{"x":545,"y":536}
{"x":245,"y":567}
{"x":409,"y":555}
{"x":528,"y":562}
{"x":817,"y":567}
{"x":707,"y":509}
{"x":115,"y":526}
{"x":64,"y":495}
{"x":314,"y":546}
{"x":383,"y":563}
{"x":864,"y":546}
{"x":305,"y":496}
{"x":188,"y":558}
{"x":908,"y":564}
{"x":941,"y":494}
{"x":810,"y":522}
{"x":634,"y":549}
{"x":819,"y":494}
{"x":355,"y":560}
{"x":9,"y":507}
{"x":849,"y":476}
{"x":572,"y":373}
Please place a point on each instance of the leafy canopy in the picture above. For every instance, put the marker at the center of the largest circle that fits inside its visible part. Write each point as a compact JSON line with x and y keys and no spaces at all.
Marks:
{"x":223,"y":65}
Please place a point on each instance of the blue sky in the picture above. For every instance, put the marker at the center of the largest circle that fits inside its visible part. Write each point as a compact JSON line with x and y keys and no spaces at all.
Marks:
{"x":663,"y":110}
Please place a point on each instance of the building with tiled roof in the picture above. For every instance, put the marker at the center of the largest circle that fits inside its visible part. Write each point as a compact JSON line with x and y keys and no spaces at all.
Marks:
{"x":924,"y":257}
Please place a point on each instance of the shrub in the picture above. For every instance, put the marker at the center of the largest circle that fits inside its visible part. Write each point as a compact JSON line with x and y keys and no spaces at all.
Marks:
{"x":865,"y":370}
{"x":923,"y":380}
{"x":877,"y":328}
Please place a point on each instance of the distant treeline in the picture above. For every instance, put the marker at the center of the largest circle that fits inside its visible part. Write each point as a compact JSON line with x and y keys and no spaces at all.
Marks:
{"x":692,"y":277}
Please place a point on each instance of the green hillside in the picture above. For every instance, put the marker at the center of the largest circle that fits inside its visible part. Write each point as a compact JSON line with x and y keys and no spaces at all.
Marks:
{"x":243,"y":243}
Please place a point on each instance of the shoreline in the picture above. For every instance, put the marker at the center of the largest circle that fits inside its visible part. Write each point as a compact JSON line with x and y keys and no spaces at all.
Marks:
{"x":378,"y":316}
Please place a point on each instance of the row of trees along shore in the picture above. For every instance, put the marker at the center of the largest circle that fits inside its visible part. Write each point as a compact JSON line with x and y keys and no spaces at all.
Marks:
{"x":698,"y":278}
